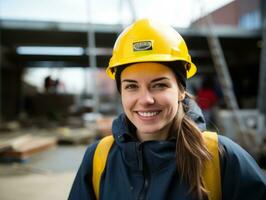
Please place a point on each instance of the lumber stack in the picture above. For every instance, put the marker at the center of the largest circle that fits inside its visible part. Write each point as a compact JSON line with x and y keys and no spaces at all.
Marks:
{"x":23,"y":147}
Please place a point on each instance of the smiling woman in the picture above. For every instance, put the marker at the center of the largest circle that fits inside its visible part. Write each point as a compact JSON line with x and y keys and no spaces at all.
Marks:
{"x":150,"y":100}
{"x":158,"y":149}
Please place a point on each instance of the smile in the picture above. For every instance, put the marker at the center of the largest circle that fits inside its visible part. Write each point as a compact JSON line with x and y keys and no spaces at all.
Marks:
{"x":148,"y":114}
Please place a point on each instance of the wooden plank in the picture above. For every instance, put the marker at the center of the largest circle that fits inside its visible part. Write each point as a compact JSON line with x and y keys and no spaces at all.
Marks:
{"x":27,"y":146}
{"x":13,"y":143}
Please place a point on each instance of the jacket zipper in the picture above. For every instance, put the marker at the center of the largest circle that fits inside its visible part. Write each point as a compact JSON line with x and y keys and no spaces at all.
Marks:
{"x":143,"y":168}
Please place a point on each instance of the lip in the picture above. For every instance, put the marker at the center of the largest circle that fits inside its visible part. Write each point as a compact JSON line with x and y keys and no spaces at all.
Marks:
{"x":148,"y":117}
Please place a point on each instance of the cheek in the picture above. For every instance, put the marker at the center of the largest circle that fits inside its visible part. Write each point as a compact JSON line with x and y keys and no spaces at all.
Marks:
{"x":126,"y":102}
{"x":171,"y":100}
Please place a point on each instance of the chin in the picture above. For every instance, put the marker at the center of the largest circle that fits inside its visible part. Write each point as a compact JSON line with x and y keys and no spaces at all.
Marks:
{"x":148,"y":130}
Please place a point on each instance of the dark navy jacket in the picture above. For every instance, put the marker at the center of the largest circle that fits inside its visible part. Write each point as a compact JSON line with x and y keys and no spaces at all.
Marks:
{"x":147,"y":170}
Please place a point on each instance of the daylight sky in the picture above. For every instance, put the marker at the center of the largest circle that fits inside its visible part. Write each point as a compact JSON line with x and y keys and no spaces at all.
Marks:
{"x":174,"y":12}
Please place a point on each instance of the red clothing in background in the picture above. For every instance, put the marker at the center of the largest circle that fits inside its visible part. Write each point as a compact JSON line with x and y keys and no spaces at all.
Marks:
{"x":206,"y":98}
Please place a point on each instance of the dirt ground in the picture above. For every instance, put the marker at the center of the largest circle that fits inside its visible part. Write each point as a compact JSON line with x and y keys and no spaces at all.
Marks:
{"x":48,"y":175}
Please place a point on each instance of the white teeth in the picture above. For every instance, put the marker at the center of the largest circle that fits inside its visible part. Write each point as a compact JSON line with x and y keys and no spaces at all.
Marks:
{"x":147,"y":114}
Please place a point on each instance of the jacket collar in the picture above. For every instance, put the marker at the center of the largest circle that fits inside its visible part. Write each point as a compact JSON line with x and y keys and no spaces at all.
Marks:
{"x":154,"y":155}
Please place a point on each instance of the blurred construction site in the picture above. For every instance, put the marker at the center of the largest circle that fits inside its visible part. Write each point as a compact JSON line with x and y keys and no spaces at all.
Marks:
{"x":55,"y":97}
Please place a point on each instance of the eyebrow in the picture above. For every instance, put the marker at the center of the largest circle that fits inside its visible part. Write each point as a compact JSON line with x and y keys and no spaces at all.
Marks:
{"x":154,"y":80}
{"x":129,"y":80}
{"x":159,"y":79}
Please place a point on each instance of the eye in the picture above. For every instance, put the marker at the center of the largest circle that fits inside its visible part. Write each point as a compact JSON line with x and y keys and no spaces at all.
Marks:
{"x":130,"y":86}
{"x":160,"y":85}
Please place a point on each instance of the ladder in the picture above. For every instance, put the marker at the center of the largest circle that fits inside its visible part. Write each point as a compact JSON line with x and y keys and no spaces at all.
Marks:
{"x":225,"y":80}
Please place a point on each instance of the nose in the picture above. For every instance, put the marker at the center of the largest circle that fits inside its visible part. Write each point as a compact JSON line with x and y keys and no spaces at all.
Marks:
{"x":146,"y":98}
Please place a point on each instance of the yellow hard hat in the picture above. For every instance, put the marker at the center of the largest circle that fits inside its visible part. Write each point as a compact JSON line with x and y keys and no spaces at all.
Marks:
{"x":149,"y":41}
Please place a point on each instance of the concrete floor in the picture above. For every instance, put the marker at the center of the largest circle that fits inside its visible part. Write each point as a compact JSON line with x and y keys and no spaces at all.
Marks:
{"x":47,"y":175}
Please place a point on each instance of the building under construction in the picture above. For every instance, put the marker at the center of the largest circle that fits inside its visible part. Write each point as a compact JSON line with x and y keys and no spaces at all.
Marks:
{"x":50,"y":116}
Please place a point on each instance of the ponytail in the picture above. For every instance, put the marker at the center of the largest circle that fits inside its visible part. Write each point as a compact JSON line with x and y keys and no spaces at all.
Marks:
{"x":191,"y":152}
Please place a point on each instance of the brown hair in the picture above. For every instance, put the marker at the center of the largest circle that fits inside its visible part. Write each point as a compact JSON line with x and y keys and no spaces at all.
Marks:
{"x":191,"y":152}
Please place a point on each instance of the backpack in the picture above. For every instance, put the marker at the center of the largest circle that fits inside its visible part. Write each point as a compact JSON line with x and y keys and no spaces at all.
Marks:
{"x":211,"y":173}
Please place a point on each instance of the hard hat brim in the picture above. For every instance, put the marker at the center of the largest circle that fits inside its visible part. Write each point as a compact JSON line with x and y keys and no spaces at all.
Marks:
{"x":150,"y":58}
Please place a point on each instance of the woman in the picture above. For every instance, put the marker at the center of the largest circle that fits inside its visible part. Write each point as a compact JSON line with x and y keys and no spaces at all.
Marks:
{"x":159,"y":151}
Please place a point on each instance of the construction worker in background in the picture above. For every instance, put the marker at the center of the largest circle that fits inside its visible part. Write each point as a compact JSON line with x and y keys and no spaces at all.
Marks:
{"x":157,"y":150}
{"x":207,"y":98}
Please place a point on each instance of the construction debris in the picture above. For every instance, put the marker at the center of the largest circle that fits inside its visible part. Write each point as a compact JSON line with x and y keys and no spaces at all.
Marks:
{"x":76,"y":136}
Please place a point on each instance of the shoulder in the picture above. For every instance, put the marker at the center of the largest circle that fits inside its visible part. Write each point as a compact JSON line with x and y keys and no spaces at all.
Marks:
{"x":82,"y":185}
{"x":91,"y":149}
{"x":86,"y":164}
{"x":234,"y":155}
{"x":105,"y":144}
{"x":241,"y":175}
{"x":233,"y":151}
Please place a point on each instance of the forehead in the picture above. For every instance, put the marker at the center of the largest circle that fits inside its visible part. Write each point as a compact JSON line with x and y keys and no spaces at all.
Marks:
{"x":146,"y":70}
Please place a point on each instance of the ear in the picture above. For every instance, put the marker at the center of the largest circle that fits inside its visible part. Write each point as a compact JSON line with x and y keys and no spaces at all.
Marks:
{"x":181,"y":96}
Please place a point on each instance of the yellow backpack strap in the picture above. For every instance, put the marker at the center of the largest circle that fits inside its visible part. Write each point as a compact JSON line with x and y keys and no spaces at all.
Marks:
{"x":211,"y":173}
{"x":99,"y":162}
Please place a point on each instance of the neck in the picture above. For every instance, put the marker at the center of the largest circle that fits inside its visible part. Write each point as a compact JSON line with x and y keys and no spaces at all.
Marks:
{"x":160,"y":135}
